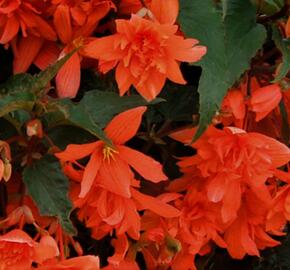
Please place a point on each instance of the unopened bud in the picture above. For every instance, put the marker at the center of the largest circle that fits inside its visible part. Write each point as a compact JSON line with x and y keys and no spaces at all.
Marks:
{"x":34,"y":128}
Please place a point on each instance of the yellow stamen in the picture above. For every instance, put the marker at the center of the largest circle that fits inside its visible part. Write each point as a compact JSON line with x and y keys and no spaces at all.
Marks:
{"x":108,"y":153}
{"x":78,"y":42}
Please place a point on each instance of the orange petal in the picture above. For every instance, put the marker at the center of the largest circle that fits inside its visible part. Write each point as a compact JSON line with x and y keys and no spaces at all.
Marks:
{"x":77,"y":151}
{"x":47,"y":249}
{"x":231,"y":201}
{"x":91,"y":171}
{"x":237,"y":103}
{"x":144,"y":165}
{"x":279,"y":152}
{"x":165,"y":11}
{"x":155,"y":205}
{"x":10,"y":30}
{"x":115,"y":176}
{"x":121,"y":246}
{"x":131,"y":223}
{"x":125,"y":125}
{"x":44,"y":29}
{"x":185,"y":135}
{"x":103,"y":48}
{"x":150,"y":88}
{"x":92,"y":20}
{"x":68,"y":78}
{"x":110,"y":208}
{"x":27,"y":50}
{"x":48,"y":55}
{"x":186,"y":50}
{"x":173,"y":72}
{"x":124,"y":78}
{"x":264,"y":100}
{"x":62,"y":23}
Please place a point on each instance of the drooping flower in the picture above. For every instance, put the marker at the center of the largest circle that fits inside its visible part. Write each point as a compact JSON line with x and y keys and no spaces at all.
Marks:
{"x":144,"y":53}
{"x":109,"y":175}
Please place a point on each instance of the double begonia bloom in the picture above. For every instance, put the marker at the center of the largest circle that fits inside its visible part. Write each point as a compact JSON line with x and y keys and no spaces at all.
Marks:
{"x":232,"y":161}
{"x":144,"y":53}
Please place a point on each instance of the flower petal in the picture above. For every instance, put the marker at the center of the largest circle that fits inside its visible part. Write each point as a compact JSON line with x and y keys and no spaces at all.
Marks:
{"x":68,"y":78}
{"x":62,"y":23}
{"x":155,"y":205}
{"x":77,"y":151}
{"x":125,"y":125}
{"x":27,"y":50}
{"x":144,"y":165}
{"x":91,"y":171}
{"x":165,"y":11}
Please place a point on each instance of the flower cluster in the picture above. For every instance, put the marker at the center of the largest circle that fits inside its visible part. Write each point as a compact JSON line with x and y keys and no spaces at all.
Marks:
{"x":40,"y":32}
{"x":116,"y":179}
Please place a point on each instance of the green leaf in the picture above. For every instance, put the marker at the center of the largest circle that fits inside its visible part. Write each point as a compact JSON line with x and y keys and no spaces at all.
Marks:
{"x":62,"y":136}
{"x":283,"y":47}
{"x":48,"y":187}
{"x":66,"y":112}
{"x":269,"y":7}
{"x":16,"y":101}
{"x":103,"y":106}
{"x":93,"y":112}
{"x":181,"y":102}
{"x":232,"y":38}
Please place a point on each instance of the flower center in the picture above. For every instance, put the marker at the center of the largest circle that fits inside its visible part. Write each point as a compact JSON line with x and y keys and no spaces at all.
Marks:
{"x":78,"y":42}
{"x":108,"y":153}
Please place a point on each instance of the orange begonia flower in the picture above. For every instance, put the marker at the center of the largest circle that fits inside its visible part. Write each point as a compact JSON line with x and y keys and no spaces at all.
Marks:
{"x":108,"y":174}
{"x":18,"y":250}
{"x":112,"y":164}
{"x":264,"y":100}
{"x":22,"y":14}
{"x":145,"y":53}
{"x":232,"y":161}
